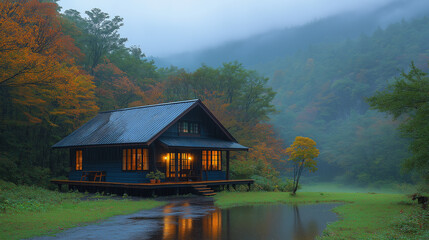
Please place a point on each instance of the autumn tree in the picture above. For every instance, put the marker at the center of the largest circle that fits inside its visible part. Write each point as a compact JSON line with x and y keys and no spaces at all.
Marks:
{"x":34,"y":56}
{"x":302,"y":154}
{"x":114,"y":88}
{"x":408,"y":96}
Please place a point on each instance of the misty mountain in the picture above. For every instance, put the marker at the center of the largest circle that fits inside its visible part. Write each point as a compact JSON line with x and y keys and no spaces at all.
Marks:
{"x":321,"y":93}
{"x":279,"y":43}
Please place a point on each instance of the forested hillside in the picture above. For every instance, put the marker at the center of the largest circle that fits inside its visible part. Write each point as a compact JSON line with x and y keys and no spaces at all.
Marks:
{"x":58,"y":70}
{"x":322,"y":92}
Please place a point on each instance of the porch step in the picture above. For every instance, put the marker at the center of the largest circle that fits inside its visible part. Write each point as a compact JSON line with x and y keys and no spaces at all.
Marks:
{"x":209,"y":194}
{"x":204,"y":190}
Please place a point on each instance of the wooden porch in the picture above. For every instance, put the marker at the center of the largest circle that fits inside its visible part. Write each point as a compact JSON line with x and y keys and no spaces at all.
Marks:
{"x":149,"y":189}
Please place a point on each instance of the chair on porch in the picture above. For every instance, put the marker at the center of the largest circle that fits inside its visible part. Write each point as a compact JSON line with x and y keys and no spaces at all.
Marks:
{"x":93,"y":176}
{"x":100,"y":175}
{"x":84,"y":176}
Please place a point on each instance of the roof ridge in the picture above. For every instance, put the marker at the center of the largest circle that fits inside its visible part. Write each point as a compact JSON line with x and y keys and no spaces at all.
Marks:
{"x":152,"y":105}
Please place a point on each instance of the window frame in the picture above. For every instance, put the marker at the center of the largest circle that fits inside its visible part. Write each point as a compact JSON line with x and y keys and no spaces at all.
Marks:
{"x":190,"y":127}
{"x":207,"y":159}
{"x":132,"y":157}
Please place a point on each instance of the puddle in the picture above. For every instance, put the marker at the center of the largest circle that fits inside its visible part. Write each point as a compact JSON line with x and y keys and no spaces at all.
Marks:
{"x":198,"y":218}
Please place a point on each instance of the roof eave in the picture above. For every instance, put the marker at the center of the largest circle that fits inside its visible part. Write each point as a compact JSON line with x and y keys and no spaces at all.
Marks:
{"x":102,"y":145}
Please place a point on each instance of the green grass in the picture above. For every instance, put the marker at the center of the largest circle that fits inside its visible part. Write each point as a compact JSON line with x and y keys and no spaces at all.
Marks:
{"x":363,"y":216}
{"x":32,"y":211}
{"x":342,"y":188}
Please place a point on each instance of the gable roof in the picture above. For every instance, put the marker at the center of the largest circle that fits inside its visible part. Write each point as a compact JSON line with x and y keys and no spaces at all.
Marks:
{"x":138,"y":125}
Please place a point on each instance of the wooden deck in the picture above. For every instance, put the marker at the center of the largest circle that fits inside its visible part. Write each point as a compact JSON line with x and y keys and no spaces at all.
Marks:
{"x":139,"y":188}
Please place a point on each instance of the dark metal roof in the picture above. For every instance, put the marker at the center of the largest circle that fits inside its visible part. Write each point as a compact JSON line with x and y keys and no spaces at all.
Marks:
{"x":206,"y":143}
{"x":127,"y":126}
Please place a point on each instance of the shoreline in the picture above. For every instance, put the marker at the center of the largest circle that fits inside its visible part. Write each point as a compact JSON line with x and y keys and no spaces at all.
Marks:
{"x":68,"y":214}
{"x":362,"y":216}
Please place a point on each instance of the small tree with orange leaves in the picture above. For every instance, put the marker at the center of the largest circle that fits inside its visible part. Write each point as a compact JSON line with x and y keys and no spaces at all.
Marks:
{"x":302,"y":153}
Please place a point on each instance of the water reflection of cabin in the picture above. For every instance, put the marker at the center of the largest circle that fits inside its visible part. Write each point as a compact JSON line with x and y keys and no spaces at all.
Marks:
{"x":182,"y":139}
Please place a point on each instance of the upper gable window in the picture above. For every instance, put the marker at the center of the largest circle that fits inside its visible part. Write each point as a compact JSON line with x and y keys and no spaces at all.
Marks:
{"x":189,"y":127}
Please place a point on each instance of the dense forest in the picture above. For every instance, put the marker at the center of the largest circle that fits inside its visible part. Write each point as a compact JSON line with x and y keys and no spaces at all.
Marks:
{"x":59,"y":69}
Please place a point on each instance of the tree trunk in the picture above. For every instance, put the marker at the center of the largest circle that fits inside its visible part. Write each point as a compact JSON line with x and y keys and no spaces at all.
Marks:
{"x":298,"y":175}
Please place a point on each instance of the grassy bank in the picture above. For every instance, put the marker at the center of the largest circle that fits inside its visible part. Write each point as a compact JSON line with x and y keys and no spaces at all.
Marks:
{"x":32,"y":211}
{"x":363,"y":216}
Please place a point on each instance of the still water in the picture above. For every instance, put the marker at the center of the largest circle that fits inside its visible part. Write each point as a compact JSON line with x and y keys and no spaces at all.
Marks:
{"x":198,"y":218}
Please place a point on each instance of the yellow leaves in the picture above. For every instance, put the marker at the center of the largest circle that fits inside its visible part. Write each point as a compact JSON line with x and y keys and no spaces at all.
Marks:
{"x":303,"y":152}
{"x":73,"y":93}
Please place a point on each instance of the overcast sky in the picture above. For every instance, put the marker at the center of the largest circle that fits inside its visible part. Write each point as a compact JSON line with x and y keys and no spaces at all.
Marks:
{"x":164,"y":27}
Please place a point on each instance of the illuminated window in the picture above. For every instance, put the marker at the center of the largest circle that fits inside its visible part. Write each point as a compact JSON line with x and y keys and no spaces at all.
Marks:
{"x":129,"y":159}
{"x":135,"y":159}
{"x":204,"y":160}
{"x":78,"y":159}
{"x":139,"y":159}
{"x":212,"y":160}
{"x":184,"y":161}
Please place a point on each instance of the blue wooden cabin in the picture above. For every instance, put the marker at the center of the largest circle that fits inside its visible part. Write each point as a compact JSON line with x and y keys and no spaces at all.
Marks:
{"x":182,"y":139}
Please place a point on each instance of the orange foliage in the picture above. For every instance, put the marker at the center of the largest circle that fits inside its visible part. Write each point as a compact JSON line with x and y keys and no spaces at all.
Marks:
{"x":219,"y":107}
{"x":32,"y":43}
{"x":155,"y":94}
{"x":264,"y":144}
{"x":114,"y":88}
{"x":38,"y":69}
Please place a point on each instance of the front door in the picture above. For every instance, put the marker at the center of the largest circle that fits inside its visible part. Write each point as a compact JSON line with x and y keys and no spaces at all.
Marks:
{"x":185,"y":166}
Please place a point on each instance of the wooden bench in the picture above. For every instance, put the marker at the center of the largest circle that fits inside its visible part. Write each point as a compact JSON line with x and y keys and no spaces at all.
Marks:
{"x":93,"y":175}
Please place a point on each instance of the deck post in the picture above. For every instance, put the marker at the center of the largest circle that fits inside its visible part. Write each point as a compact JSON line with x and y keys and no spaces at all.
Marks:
{"x":176,"y":166}
{"x":249,"y":187}
{"x":59,"y":187}
{"x":227,"y":165}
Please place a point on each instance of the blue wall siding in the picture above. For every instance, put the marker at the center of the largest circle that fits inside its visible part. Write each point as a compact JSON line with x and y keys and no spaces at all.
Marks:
{"x":110,"y":161}
{"x":214,"y":175}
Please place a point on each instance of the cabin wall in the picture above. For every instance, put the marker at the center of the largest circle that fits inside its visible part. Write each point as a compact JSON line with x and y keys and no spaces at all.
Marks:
{"x":108,"y":159}
{"x":214,"y":175}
